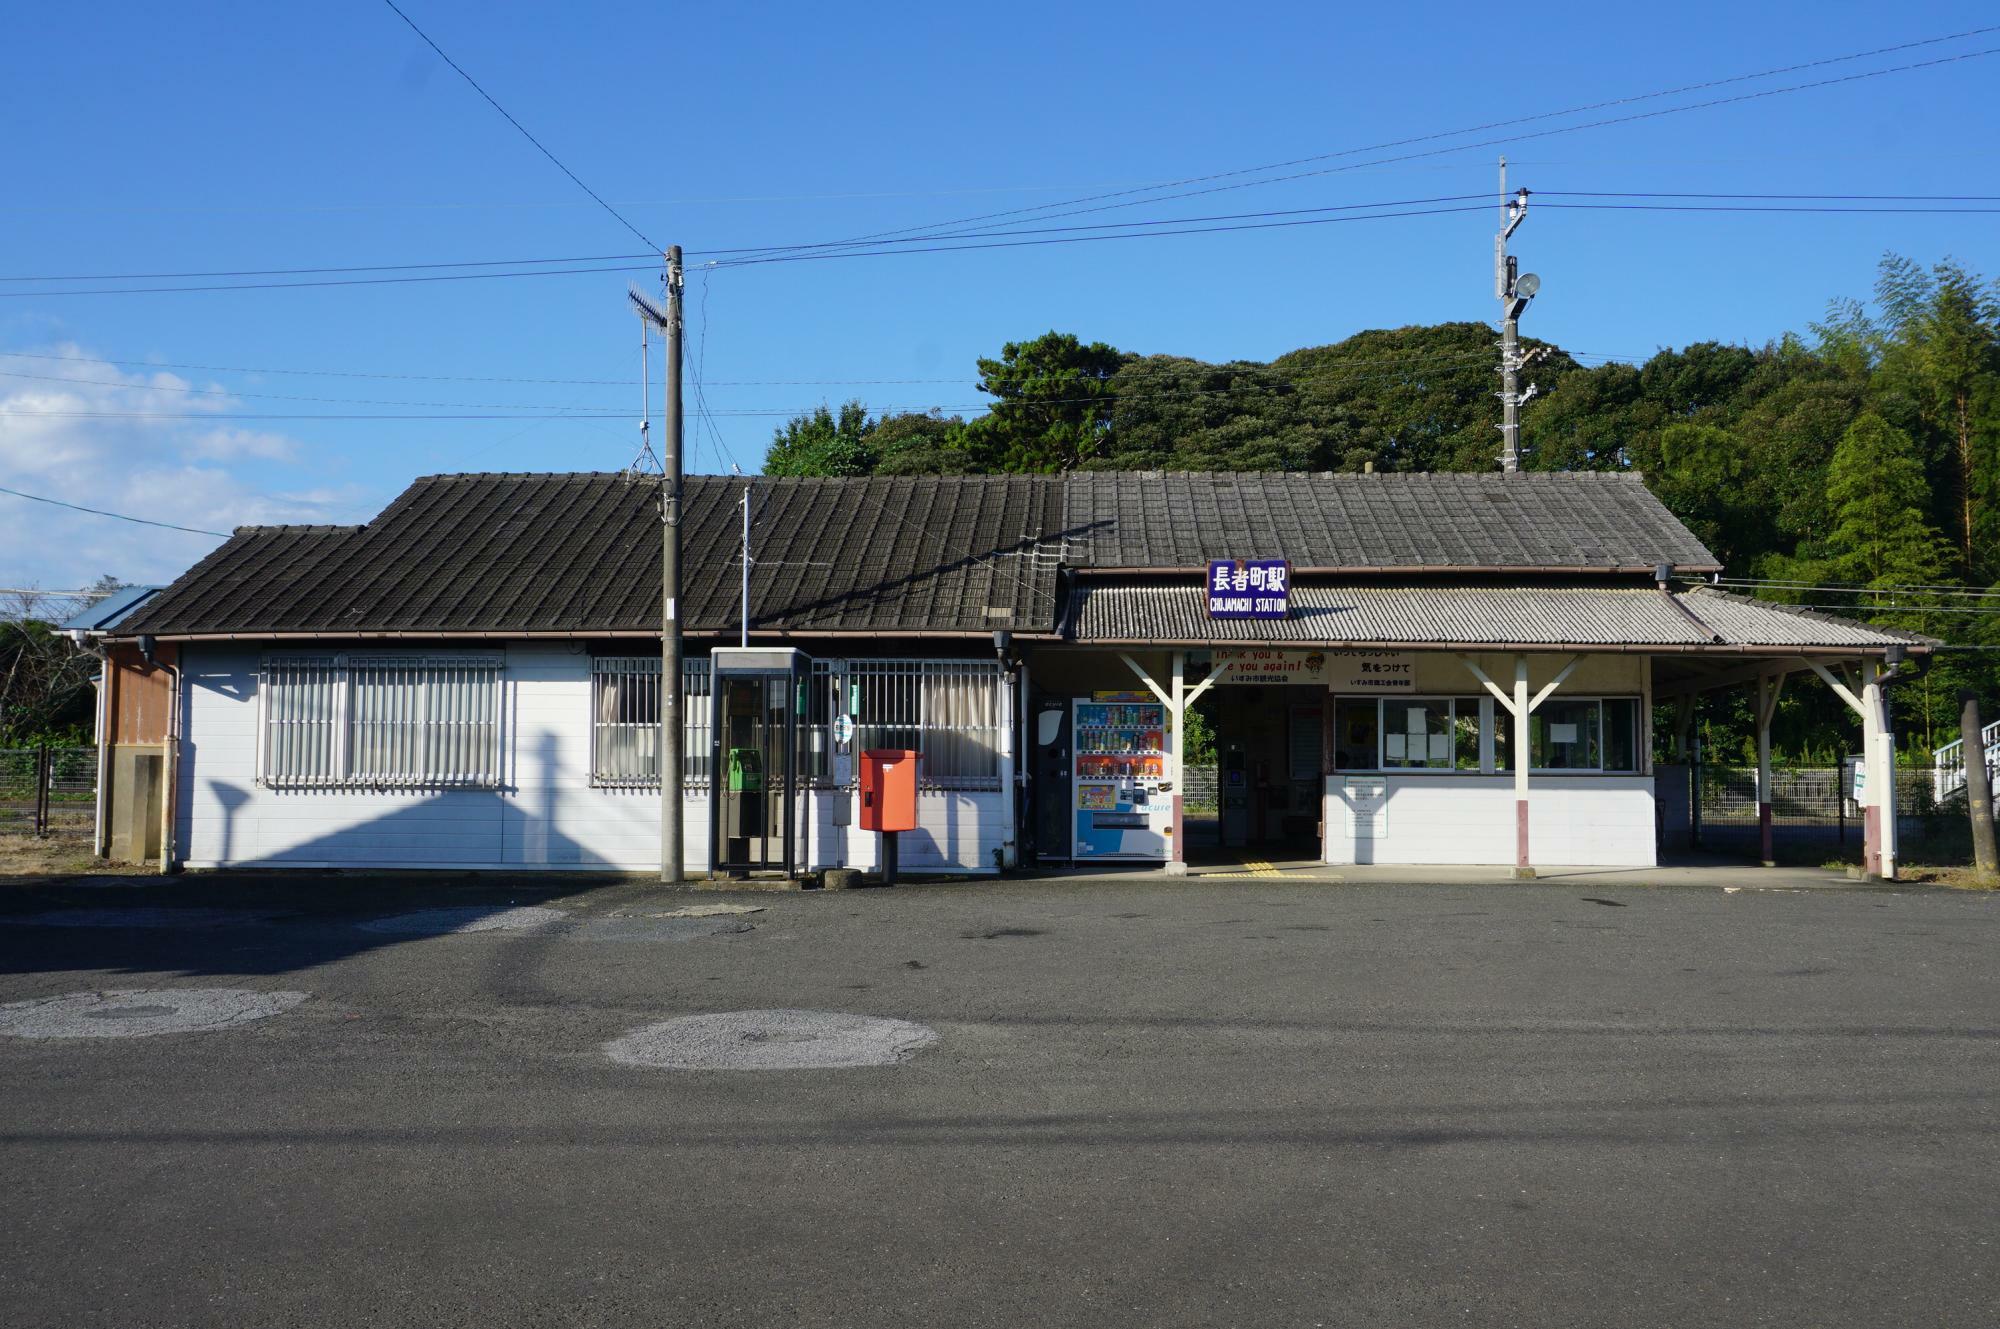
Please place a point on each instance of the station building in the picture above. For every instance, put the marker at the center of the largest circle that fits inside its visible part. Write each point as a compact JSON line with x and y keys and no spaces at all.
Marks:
{"x":1418,"y":669}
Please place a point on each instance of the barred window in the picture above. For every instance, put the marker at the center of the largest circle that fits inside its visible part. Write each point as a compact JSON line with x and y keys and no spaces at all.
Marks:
{"x":949,"y":710}
{"x":625,"y":721}
{"x":382,"y":721}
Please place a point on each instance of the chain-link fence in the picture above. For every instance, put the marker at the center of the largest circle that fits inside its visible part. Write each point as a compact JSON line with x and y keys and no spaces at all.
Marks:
{"x":1810,"y":811}
{"x":48,"y":791}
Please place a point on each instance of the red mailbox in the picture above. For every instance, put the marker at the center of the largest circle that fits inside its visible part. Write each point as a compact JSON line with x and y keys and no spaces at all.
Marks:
{"x":889,"y":789}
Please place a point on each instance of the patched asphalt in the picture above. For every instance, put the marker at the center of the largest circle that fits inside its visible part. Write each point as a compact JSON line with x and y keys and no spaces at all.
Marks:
{"x":1146,"y":1103}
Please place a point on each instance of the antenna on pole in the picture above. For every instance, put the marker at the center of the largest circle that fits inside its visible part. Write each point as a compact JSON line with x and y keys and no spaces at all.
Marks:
{"x":1514,"y":289}
{"x":650,"y":317}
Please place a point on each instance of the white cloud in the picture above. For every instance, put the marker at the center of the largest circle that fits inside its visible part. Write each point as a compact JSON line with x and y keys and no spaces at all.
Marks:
{"x":87,"y":438}
{"x":235,"y":444}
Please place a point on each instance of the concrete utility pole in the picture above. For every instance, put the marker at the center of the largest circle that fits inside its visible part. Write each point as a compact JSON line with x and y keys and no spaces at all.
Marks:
{"x":1978,"y":788}
{"x":670,"y":589}
{"x":1513,"y":289}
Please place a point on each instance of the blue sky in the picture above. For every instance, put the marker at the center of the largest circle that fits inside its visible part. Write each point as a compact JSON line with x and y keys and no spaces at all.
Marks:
{"x":161,"y":139}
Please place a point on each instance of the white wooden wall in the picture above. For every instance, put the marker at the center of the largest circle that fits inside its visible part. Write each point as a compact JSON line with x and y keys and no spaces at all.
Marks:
{"x":547,"y":817}
{"x":1596,"y":820}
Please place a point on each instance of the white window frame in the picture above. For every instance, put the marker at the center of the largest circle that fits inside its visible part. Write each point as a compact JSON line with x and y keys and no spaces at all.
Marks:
{"x":696,"y":680}
{"x":475,"y":763}
{"x":1489,"y":763}
{"x":910,"y":685}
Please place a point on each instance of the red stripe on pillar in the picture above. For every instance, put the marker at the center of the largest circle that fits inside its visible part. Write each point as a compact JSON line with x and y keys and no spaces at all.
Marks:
{"x":1521,"y":833}
{"x":1871,"y":841}
{"x":1764,"y":828}
{"x":1180,"y":854}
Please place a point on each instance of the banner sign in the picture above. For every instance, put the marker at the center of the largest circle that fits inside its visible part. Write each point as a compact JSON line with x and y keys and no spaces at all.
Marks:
{"x":1249,"y":588}
{"x":1269,"y":664}
{"x":1371,"y":671}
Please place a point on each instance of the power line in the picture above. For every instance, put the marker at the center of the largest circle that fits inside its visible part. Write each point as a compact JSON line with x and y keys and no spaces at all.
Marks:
{"x":100,"y":512}
{"x":653,"y":248}
{"x":1453,"y":133}
{"x":306,"y":272}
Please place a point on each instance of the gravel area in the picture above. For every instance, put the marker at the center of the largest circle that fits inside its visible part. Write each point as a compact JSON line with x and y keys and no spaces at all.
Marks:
{"x":771,"y":1041}
{"x":141,"y":1012}
{"x":466,"y":918}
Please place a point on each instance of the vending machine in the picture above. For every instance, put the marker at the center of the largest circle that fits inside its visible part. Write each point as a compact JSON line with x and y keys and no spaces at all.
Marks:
{"x":1124,"y":807}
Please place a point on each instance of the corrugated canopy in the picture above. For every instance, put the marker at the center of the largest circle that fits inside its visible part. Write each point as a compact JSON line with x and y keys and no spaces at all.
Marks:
{"x":1152,"y":612}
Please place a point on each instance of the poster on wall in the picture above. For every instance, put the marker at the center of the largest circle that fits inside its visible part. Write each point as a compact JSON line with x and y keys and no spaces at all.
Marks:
{"x":1371,"y":671}
{"x":1270,"y":664}
{"x":1368,"y":804}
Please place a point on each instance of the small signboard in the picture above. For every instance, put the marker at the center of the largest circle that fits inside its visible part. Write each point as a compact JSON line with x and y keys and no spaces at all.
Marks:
{"x":1371,"y":671}
{"x":1249,"y":588}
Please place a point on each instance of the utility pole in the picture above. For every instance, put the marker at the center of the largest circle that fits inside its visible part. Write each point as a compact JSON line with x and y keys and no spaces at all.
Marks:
{"x":670,"y":589}
{"x":1513,"y":289}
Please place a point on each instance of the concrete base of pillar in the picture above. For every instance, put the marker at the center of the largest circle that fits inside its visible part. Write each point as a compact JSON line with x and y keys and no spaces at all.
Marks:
{"x":1524,"y":874}
{"x":1176,"y":869}
{"x":1767,"y":862}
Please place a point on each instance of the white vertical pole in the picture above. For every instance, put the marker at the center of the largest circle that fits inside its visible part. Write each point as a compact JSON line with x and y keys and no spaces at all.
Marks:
{"x":1003,"y":716}
{"x":1177,"y":767}
{"x":1872,"y":859}
{"x":1766,"y":703}
{"x":1523,"y":864}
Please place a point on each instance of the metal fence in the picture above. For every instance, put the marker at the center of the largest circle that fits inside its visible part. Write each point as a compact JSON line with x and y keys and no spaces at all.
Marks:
{"x":1809,"y":809}
{"x":48,"y":790}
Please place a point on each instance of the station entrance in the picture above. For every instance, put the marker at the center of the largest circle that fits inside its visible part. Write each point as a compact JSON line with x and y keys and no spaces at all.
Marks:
{"x":1268,"y":743}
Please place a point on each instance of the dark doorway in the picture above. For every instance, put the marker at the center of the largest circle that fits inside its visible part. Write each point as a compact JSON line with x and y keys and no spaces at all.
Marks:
{"x":1269,"y":761}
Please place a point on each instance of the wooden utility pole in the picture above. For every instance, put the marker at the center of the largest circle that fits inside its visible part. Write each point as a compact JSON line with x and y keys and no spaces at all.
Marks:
{"x":1978,"y":787}
{"x":670,"y":589}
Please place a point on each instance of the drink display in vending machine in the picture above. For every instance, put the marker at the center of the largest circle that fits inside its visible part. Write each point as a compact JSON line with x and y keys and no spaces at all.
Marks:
{"x":1122,"y":786}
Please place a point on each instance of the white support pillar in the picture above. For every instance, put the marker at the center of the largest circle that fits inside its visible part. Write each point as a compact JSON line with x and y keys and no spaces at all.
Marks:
{"x":1879,"y":753}
{"x":1768,"y":688}
{"x":1880,"y":776}
{"x":1523,"y":864}
{"x":1177,"y":767}
{"x":1010,"y":831}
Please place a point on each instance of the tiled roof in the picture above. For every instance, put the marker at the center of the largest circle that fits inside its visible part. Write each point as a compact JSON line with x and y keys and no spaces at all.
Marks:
{"x":581,"y":553}
{"x":1120,"y":610}
{"x":1582,"y":521}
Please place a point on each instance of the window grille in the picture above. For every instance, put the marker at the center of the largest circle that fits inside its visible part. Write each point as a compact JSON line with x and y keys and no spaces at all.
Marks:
{"x":949,"y":710}
{"x":382,"y":721}
{"x":625,"y":722}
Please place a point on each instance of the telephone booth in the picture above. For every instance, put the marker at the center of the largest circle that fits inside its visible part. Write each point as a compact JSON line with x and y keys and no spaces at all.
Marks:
{"x":758,"y":701}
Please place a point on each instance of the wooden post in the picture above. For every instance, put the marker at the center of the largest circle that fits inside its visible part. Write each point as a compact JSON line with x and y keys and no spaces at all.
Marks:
{"x":1978,"y":787}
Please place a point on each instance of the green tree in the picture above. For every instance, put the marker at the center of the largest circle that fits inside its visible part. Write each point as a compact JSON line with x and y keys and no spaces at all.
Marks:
{"x":916,"y":443}
{"x":1942,"y":347}
{"x":1052,"y":406}
{"x":1882,"y":536}
{"x":823,"y":443}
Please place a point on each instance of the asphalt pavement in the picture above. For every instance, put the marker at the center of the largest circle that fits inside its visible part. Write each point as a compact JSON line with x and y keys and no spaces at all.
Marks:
{"x":1126,"y":1102}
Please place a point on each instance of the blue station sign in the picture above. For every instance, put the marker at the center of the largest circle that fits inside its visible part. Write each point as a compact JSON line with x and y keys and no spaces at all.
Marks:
{"x":1249,"y":588}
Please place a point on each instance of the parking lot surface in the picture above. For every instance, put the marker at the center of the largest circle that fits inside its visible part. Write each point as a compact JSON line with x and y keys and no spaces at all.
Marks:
{"x":1112,"y":1102}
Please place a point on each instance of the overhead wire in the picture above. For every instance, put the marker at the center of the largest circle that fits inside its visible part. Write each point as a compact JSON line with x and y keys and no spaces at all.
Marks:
{"x":509,"y":116}
{"x":1475,"y":129}
{"x":121,"y":516}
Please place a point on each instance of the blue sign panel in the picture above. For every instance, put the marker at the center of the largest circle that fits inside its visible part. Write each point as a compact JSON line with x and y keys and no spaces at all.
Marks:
{"x":1249,"y":588}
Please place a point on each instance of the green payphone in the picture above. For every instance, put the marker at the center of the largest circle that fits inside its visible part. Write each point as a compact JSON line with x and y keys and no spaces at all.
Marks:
{"x":755,"y":731}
